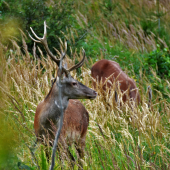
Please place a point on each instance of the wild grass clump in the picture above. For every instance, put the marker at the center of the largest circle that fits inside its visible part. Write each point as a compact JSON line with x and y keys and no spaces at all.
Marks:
{"x":135,"y":138}
{"x":120,"y":136}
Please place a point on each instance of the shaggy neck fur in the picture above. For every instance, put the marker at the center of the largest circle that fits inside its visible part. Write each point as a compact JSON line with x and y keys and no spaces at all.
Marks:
{"x":53,"y":108}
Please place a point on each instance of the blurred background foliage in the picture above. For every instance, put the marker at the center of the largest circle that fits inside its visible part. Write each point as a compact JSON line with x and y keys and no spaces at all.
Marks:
{"x":134,"y":33}
{"x":110,"y":27}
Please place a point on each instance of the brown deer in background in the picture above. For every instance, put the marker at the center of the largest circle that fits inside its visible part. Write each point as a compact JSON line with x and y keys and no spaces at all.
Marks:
{"x":109,"y":72}
{"x":76,"y":117}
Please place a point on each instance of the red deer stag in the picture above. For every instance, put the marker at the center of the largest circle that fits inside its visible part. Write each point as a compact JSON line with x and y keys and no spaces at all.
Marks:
{"x":76,"y":117}
{"x":103,"y":69}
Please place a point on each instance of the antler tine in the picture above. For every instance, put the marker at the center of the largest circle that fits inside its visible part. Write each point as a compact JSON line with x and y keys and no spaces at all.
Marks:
{"x":65,"y":44}
{"x":35,"y":34}
{"x":45,"y":30}
{"x":33,"y":38}
{"x":43,"y":41}
{"x":79,"y":64}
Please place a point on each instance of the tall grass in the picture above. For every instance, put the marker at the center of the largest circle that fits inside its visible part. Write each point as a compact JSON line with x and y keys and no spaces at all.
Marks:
{"x":118,"y":137}
{"x":121,"y":20}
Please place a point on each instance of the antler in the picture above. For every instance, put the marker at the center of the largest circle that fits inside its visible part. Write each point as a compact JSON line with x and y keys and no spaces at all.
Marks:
{"x":43,"y":41}
{"x":79,"y":64}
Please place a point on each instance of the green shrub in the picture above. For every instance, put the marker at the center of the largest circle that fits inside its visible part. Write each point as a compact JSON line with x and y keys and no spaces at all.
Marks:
{"x":157,"y":69}
{"x":15,"y":15}
{"x":159,"y":61}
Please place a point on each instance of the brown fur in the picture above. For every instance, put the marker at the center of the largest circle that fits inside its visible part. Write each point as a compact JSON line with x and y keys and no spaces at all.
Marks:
{"x":75,"y":121}
{"x":75,"y":124}
{"x":102,"y":69}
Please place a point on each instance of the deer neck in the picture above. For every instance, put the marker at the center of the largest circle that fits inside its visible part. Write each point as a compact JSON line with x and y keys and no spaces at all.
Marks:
{"x":53,"y":104}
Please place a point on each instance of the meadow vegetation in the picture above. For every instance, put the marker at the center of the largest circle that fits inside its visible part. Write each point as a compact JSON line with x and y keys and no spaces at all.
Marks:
{"x":134,"y":33}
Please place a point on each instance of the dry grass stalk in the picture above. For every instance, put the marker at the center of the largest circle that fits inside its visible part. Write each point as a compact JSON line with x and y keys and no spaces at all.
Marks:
{"x":27,"y":81}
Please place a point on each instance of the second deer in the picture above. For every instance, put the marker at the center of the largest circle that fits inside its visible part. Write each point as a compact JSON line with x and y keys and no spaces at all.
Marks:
{"x":108,"y":72}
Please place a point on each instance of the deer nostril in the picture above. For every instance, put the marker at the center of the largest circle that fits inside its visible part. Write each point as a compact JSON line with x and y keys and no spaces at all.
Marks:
{"x":95,"y":93}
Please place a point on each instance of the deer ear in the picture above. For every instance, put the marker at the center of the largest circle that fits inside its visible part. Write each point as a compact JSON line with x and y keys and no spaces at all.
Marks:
{"x":61,"y":74}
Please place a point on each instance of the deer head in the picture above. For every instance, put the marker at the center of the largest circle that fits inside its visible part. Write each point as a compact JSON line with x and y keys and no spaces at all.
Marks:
{"x":71,"y":88}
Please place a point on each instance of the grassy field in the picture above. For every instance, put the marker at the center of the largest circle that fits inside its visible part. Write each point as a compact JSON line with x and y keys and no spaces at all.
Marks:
{"x":118,"y":137}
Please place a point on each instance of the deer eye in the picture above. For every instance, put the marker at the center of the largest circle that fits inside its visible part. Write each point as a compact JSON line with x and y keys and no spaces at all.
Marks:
{"x":74,"y":83}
